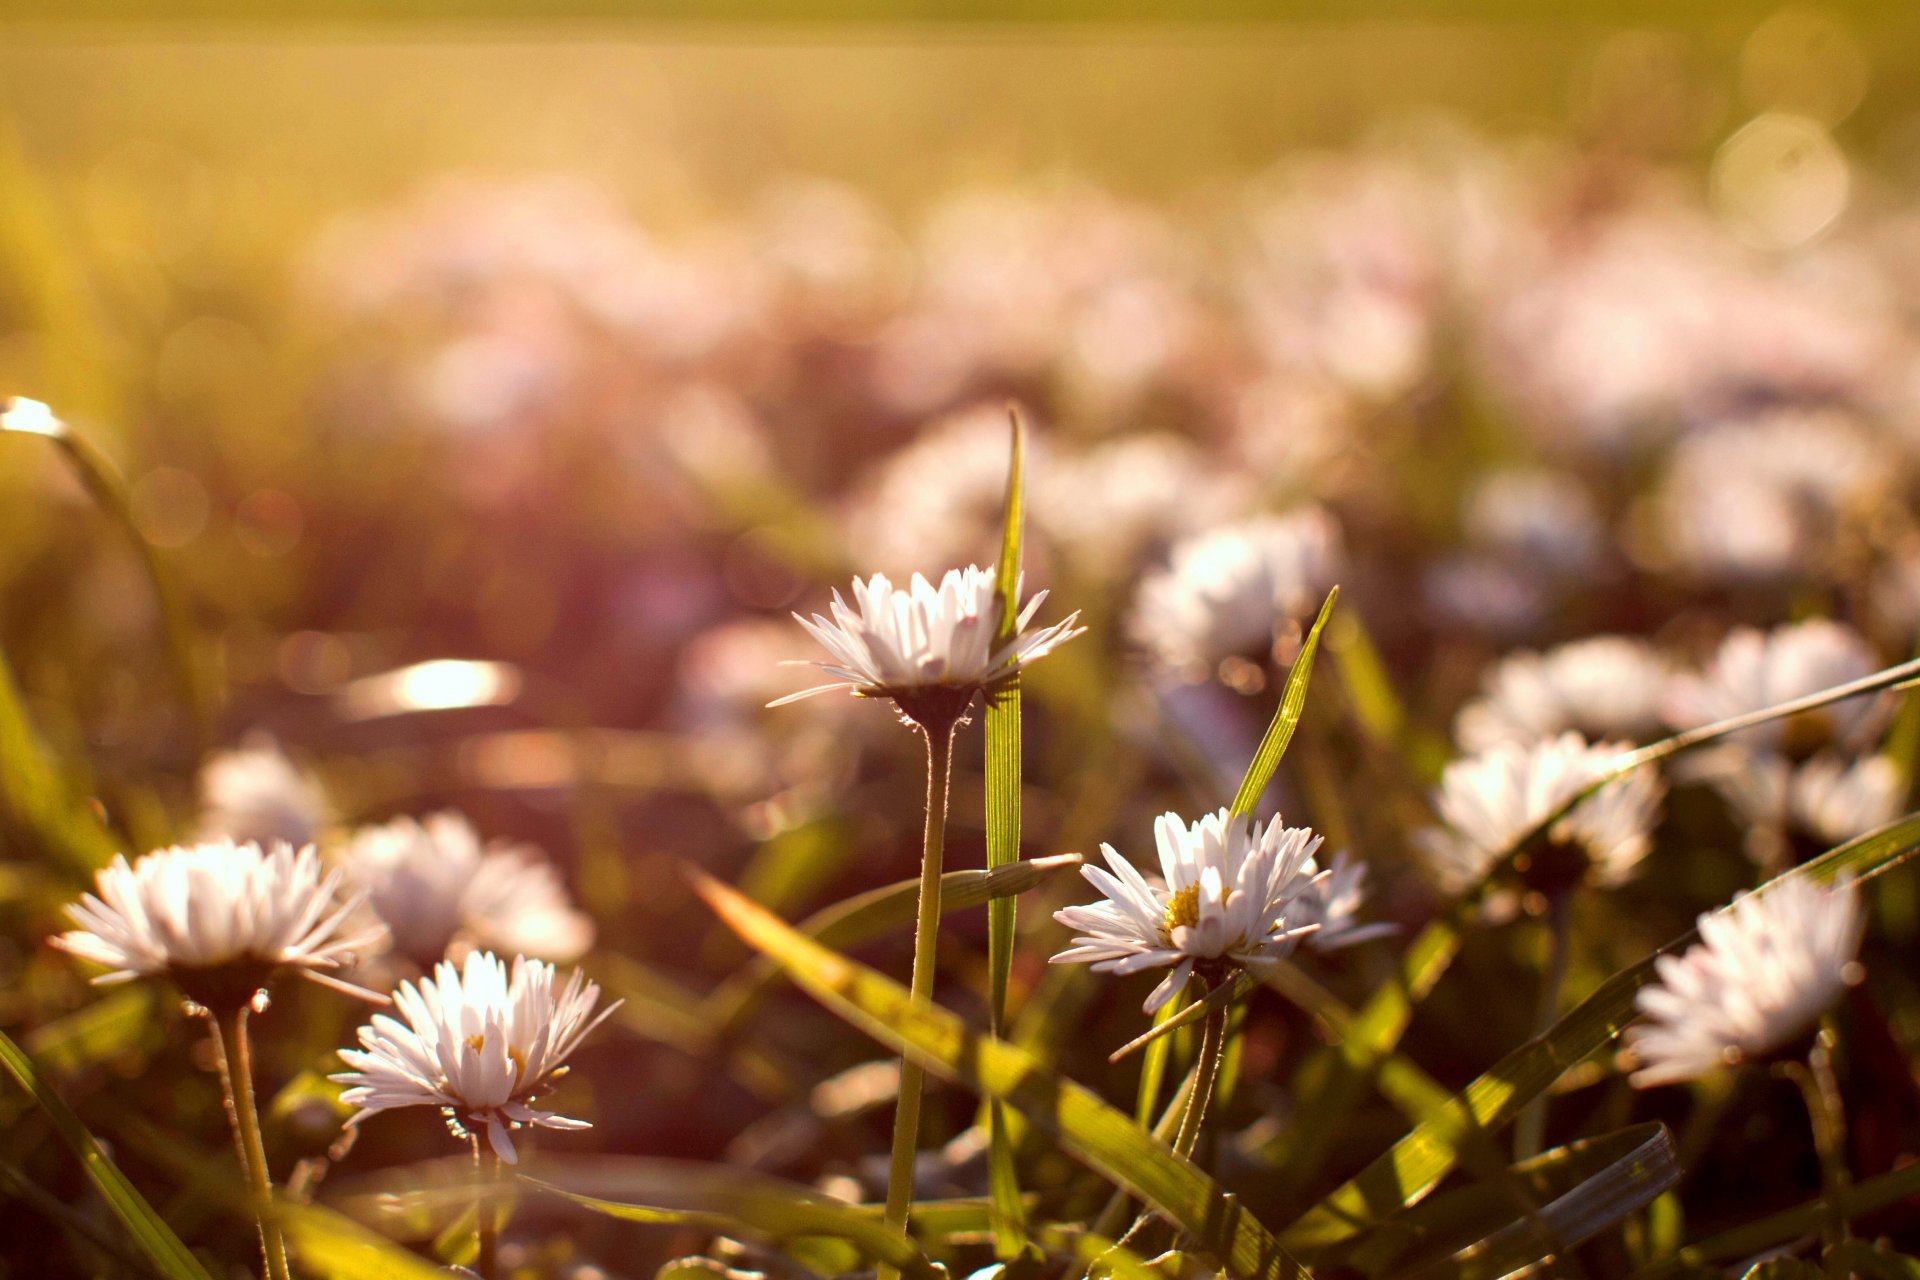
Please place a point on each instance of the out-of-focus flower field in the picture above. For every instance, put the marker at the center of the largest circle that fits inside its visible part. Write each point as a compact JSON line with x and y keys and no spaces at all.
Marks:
{"x":447,"y":431}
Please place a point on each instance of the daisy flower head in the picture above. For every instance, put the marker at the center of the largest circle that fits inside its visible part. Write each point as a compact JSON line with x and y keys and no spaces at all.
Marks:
{"x":480,"y":1041}
{"x":1489,"y":801}
{"x":1791,"y":811}
{"x":218,"y":919}
{"x":1606,"y":687}
{"x":1764,"y":969}
{"x":929,"y":648}
{"x":1753,"y":670}
{"x":434,"y":883}
{"x":1224,"y":593}
{"x":1331,"y":901}
{"x":1230,"y":895}
{"x":255,"y":792}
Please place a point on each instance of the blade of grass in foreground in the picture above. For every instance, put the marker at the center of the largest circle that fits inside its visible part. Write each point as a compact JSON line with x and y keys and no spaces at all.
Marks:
{"x":1412,"y":1167}
{"x":1003,"y":849}
{"x":103,"y":480}
{"x":1293,"y":701}
{"x":333,"y":1246}
{"x":1095,"y":1133}
{"x":35,"y":792}
{"x":149,"y":1231}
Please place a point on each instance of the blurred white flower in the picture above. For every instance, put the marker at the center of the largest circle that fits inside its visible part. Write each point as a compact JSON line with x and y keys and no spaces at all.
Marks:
{"x":1827,"y":799}
{"x":433,"y":883}
{"x":1116,"y":503}
{"x":1231,"y":896}
{"x":256,"y":793}
{"x":1488,"y":801}
{"x":1765,"y":968}
{"x":1484,"y":593}
{"x":1332,"y":901}
{"x":1603,"y":686}
{"x":1754,"y":670}
{"x":479,"y":1042}
{"x":1545,"y":519}
{"x":927,"y":641}
{"x":1224,"y":593}
{"x":218,"y":919}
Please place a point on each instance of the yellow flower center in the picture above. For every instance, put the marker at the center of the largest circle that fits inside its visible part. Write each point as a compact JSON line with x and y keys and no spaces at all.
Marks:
{"x":1183,"y":909}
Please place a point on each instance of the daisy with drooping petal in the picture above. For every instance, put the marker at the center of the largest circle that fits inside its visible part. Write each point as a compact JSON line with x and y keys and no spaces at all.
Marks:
{"x":1231,"y":894}
{"x":433,"y":883}
{"x":1754,"y":670}
{"x":1489,"y":801}
{"x":1224,"y":593}
{"x":1764,"y":969}
{"x":1605,"y":687}
{"x":256,"y":793}
{"x":929,"y":648}
{"x":480,"y":1042}
{"x":1331,"y":902}
{"x":219,"y":919}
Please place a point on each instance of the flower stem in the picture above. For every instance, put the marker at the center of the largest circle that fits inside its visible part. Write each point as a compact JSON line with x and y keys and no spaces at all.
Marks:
{"x":486,"y":1170}
{"x":233,"y":1052}
{"x":1530,"y":1130}
{"x":1827,"y":1115}
{"x":906,"y":1116}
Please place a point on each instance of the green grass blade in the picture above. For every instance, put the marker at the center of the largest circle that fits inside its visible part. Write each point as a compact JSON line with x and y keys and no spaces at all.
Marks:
{"x":717,"y":1198}
{"x":109,"y":489}
{"x":865,"y":916}
{"x":35,"y":794}
{"x":331,"y":1246}
{"x":1153,"y":1067}
{"x":1409,"y":1170}
{"x":1293,"y":700}
{"x":154,"y":1237}
{"x":1003,"y":773}
{"x":1098,"y":1135}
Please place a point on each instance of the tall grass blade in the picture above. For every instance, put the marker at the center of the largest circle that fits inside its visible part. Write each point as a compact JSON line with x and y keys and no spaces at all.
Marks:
{"x":154,"y":1237}
{"x":1098,"y":1135}
{"x":1003,"y":773}
{"x":36,"y":796}
{"x":1293,"y":700}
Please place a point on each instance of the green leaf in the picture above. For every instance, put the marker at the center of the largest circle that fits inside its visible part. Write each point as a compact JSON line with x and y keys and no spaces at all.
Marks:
{"x":332,"y":1246}
{"x":1409,"y":1170}
{"x":1003,"y":773}
{"x":1101,"y":1137}
{"x":154,"y":1236}
{"x":721,"y":1199}
{"x":103,"y":480}
{"x":868,"y":915}
{"x":1293,"y":700}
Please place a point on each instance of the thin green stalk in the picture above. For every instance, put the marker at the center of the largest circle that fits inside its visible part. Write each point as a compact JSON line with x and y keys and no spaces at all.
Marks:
{"x":1827,"y":1116}
{"x":486,"y":1170}
{"x":1530,"y":1129}
{"x":926,"y":932}
{"x":233,"y":1053}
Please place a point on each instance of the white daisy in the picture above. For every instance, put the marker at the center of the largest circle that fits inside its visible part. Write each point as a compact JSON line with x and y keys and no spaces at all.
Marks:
{"x":1332,"y":902}
{"x":480,"y":1043}
{"x":433,"y":883}
{"x":928,"y":648}
{"x":218,"y":919}
{"x":1536,"y":516}
{"x":256,"y":793}
{"x":1224,"y":593}
{"x":1827,"y":799}
{"x":1490,"y":800}
{"x":1763,"y":970}
{"x":1754,"y":670}
{"x":1231,"y":896}
{"x":1604,"y":687}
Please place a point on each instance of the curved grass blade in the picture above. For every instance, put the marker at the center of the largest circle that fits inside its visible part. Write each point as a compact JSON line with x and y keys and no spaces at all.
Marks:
{"x":149,"y":1231}
{"x":854,"y":920}
{"x":1293,"y":700}
{"x":1003,"y":774}
{"x":720,"y":1199}
{"x":36,"y":795}
{"x":1411,"y":1168}
{"x":102,"y":479}
{"x":1101,"y":1137}
{"x":332,"y":1246}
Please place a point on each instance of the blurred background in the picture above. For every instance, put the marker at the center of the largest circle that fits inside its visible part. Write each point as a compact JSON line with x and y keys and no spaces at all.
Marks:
{"x":581,"y":353}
